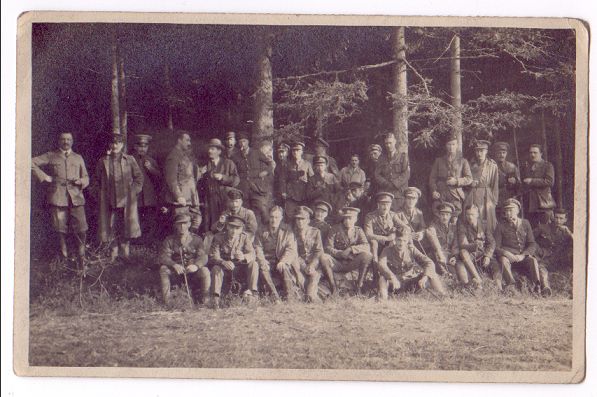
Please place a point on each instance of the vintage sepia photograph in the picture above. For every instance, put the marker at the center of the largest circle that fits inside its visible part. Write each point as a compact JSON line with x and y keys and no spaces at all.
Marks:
{"x":285,"y":197}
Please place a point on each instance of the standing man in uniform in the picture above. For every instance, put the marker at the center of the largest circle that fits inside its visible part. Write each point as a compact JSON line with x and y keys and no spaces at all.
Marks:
{"x":403,"y":266}
{"x":449,"y":174}
{"x":182,"y":253}
{"x":516,"y":247}
{"x":66,"y":178}
{"x":310,"y":252}
{"x":232,"y":254}
{"x":509,"y":176}
{"x":229,"y":145}
{"x":120,"y":181}
{"x":275,"y":246}
{"x":256,"y":172}
{"x":441,"y":233}
{"x":220,"y":174}
{"x":323,"y":185}
{"x":484,"y":186}
{"x":181,"y":181}
{"x":393,"y":171}
{"x":347,"y":249}
{"x":352,"y":173}
{"x":374,"y":153}
{"x":280,"y":172}
{"x":320,"y":148}
{"x":147,"y":201}
{"x":235,"y":207}
{"x":294,"y":182}
{"x":537,"y":181}
{"x":476,"y":245}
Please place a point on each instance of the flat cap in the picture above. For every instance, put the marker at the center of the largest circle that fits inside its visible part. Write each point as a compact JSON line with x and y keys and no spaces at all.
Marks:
{"x":215,"y":142}
{"x":235,"y":220}
{"x":412,"y":192}
{"x":142,"y":139}
{"x":511,"y":203}
{"x":182,"y":218}
{"x":322,"y":205}
{"x":234,"y":194}
{"x":501,"y":146}
{"x":384,"y":197}
{"x":346,"y":212}
{"x":303,"y":212}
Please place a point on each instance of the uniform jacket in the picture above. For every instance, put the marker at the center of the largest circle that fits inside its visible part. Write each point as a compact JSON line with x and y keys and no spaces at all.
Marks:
{"x":332,"y":163}
{"x":517,"y":239}
{"x":443,"y":238}
{"x":410,"y":261}
{"x":414,"y":219}
{"x":217,"y":190}
{"x":553,"y":240}
{"x":132,"y":183}
{"x":279,"y":175}
{"x":181,"y":180}
{"x":249,"y":165}
{"x":294,"y":181}
{"x":151,"y":182}
{"x":369,"y":168}
{"x":63,"y":170}
{"x":377,"y":225}
{"x":539,"y":190}
{"x":392,"y":173}
{"x":276,"y":248}
{"x":323,"y":227}
{"x":442,"y":169}
{"x":246,"y":214}
{"x":191,"y":248}
{"x":340,"y":239}
{"x":322,"y":188}
{"x":309,"y":245}
{"x":224,"y":249}
{"x":506,"y":189}
{"x":469,"y":234}
{"x":349,"y":174}
{"x":485,"y":194}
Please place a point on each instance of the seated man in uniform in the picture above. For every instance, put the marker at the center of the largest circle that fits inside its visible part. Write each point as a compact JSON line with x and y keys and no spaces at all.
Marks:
{"x":476,"y":245}
{"x":405,"y":267}
{"x":235,"y":207}
{"x":380,"y":225}
{"x":310,"y":251}
{"x":515,"y":249}
{"x":182,"y":254}
{"x":442,"y":236}
{"x":232,"y":254}
{"x":321,"y":209}
{"x":412,"y":215}
{"x":555,"y":242}
{"x":347,"y":249}
{"x":275,"y":246}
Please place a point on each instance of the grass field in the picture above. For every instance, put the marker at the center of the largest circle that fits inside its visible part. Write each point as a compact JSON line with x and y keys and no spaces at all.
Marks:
{"x":126,"y":326}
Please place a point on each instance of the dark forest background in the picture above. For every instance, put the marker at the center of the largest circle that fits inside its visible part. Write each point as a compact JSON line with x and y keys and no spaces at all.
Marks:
{"x":334,"y":82}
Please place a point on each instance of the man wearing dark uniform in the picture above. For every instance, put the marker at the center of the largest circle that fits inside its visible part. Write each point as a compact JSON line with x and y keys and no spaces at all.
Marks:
{"x":393,"y":171}
{"x":555,"y":242}
{"x":183,"y":253}
{"x":413,"y":216}
{"x":235,"y":207}
{"x":380,"y":225}
{"x":310,"y":252}
{"x":441,"y":233}
{"x":321,"y":209}
{"x":294,"y":181}
{"x":229,"y":147}
{"x":509,"y":176}
{"x":320,"y":148}
{"x":537,"y":181}
{"x":280,"y":172}
{"x":323,"y":185}
{"x":369,"y":166}
{"x":147,"y":200}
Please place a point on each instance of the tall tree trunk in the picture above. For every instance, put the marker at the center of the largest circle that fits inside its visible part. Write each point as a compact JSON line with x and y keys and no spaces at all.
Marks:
{"x":122,"y":101}
{"x":455,"y":89}
{"x":115,"y":99}
{"x":263,"y":127}
{"x":168,"y":84}
{"x":543,"y":135}
{"x":400,"y":110}
{"x":559,"y":170}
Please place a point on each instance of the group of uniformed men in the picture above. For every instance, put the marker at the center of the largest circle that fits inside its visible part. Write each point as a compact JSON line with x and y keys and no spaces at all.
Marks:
{"x":298,"y":218}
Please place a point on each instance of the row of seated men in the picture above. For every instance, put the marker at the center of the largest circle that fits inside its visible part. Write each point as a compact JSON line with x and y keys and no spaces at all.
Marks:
{"x":302,"y":250}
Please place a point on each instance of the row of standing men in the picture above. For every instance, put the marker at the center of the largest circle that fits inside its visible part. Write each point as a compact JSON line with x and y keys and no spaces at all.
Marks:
{"x":129,"y":186}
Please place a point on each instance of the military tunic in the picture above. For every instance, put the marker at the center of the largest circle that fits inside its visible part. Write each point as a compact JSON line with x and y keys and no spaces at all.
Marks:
{"x":539,"y":190}
{"x":257,"y":190}
{"x":485,"y":194}
{"x":392,"y":174}
{"x":247,"y":216}
{"x":340,"y":239}
{"x":224,"y":248}
{"x":217,"y":190}
{"x":323,"y":227}
{"x":443,"y":240}
{"x":349,"y":175}
{"x":294,"y":184}
{"x":322,"y":188}
{"x":444,"y":168}
{"x":507,"y":190}
{"x":555,"y":245}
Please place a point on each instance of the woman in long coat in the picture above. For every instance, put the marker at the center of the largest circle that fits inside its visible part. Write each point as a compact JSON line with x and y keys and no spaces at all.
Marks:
{"x":484,"y":191}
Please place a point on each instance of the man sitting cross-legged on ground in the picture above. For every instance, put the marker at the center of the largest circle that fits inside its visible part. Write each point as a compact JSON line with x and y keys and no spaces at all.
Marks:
{"x":380,"y":225}
{"x":275,"y":246}
{"x":476,"y":244}
{"x":310,"y":251}
{"x":404,"y":266}
{"x":441,"y":233}
{"x":232,"y":254}
{"x":347,"y":249}
{"x":182,"y":253}
{"x":515,"y":249}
